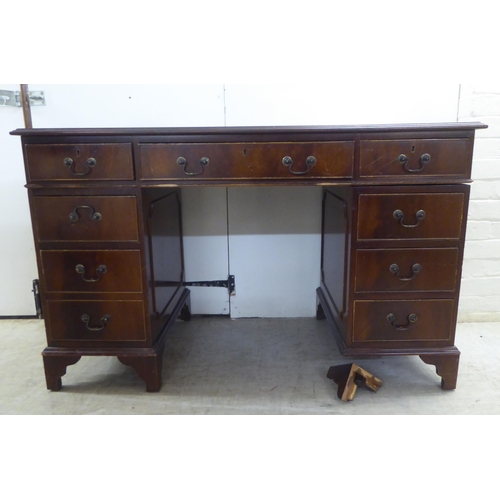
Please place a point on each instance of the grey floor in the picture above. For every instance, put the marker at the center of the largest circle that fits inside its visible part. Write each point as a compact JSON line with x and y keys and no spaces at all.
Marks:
{"x":247,"y":366}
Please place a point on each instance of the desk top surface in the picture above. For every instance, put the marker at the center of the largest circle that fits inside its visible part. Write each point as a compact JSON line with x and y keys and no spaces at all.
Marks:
{"x":270,"y":130}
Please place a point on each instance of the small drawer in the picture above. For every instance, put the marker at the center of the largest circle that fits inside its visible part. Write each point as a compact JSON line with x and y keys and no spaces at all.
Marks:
{"x":433,"y":157}
{"x":92,"y":270}
{"x":247,"y":160}
{"x":403,"y":320}
{"x":86,"y":218}
{"x":406,"y":270}
{"x":95,"y":320}
{"x":79,"y":162}
{"x":411,"y":216}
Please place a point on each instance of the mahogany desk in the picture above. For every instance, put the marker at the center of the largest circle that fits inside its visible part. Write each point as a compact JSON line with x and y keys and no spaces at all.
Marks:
{"x":105,"y":209}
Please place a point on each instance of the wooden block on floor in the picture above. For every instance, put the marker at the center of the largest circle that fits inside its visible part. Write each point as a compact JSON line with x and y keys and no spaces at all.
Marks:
{"x":349,"y":378}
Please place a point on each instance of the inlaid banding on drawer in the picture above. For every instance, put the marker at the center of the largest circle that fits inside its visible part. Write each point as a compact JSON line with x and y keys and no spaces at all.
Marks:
{"x":92,"y":270}
{"x":411,"y":216}
{"x":86,"y":218}
{"x":79,"y":162}
{"x":89,"y":320}
{"x":434,"y":157}
{"x":403,"y":320}
{"x":406,"y":270}
{"x":247,"y":160}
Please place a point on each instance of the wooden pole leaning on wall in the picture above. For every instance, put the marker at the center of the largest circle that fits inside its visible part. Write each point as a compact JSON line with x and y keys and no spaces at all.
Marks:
{"x":25,"y":103}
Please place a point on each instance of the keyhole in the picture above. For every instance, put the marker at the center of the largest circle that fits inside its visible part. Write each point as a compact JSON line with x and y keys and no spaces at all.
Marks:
{"x":244,"y":152}
{"x":413,"y":149}
{"x":77,"y":152}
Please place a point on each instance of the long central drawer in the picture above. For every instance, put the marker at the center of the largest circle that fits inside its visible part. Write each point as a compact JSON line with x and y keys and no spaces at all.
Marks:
{"x":247,"y":160}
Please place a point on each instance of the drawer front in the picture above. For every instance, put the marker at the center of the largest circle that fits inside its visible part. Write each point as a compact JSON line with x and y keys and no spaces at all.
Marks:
{"x":92,"y":270}
{"x":79,"y":162}
{"x":86,"y":218}
{"x":95,"y":320}
{"x":403,"y":320}
{"x":410,"y":216}
{"x":406,"y":270}
{"x":247,"y":160}
{"x":445,"y":157}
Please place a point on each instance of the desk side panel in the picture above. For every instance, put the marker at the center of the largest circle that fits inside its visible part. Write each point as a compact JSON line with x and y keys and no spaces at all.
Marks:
{"x":335,"y":254}
{"x":164,"y":254}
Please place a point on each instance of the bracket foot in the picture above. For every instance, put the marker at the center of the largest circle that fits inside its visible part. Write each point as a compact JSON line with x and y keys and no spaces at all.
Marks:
{"x":446,"y":367}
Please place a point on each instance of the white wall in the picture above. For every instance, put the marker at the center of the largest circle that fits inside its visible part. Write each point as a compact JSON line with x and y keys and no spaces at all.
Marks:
{"x":336,"y":103}
{"x":17,"y":251}
{"x":480,"y":293}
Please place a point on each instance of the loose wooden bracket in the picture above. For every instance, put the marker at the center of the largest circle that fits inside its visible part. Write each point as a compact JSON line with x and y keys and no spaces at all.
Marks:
{"x":349,"y":378}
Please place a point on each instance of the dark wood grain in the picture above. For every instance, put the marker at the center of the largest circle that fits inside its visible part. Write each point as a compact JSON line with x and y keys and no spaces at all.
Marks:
{"x":438,"y":270}
{"x":247,"y":160}
{"x":435,"y":321}
{"x":446,"y":367}
{"x":270,"y":131}
{"x":112,"y":162}
{"x":64,"y":321}
{"x":448,"y":157}
{"x":123,"y":270}
{"x":138,"y":235}
{"x":443,"y":216}
{"x":118,"y":218}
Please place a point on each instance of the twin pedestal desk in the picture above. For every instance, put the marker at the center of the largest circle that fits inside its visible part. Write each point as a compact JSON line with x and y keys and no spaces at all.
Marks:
{"x":105,"y":208}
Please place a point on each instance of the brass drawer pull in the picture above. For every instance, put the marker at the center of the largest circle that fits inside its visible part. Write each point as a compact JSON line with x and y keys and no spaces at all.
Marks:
{"x":424,"y":160}
{"x":416,"y":268}
{"x":75,"y":216}
{"x":310,"y":162}
{"x":400,"y":216}
{"x":104,"y":321}
{"x":89,"y":165}
{"x":80,"y":269}
{"x":182,"y":162}
{"x":412,"y":318}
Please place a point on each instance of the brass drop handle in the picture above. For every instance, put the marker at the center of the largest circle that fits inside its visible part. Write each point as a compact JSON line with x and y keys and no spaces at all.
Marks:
{"x":411,"y":318}
{"x":75,"y":216}
{"x":80,"y":269}
{"x":424,"y":161}
{"x":288,"y":162}
{"x":416,"y":268}
{"x":204,"y":162}
{"x":400,"y":216}
{"x":104,"y":321}
{"x":89,"y":165}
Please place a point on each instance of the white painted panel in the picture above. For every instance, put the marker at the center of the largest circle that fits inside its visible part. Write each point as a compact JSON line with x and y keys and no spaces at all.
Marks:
{"x":274,"y":250}
{"x":205,"y":246}
{"x":17,"y":251}
{"x":128,"y":105}
{"x":340,"y":103}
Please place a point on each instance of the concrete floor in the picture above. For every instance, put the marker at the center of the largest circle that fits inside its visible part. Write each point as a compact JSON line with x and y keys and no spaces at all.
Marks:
{"x":247,"y":366}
